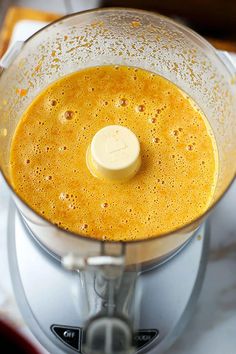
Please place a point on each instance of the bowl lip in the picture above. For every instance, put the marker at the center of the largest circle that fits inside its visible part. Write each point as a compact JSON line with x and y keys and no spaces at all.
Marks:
{"x":13,"y":335}
{"x":187,"y":227}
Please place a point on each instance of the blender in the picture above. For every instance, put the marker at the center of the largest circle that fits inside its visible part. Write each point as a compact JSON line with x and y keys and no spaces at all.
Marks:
{"x":77,"y":294}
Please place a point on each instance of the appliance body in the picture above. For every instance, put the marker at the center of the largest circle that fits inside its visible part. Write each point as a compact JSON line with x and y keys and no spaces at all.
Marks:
{"x":52,"y":302}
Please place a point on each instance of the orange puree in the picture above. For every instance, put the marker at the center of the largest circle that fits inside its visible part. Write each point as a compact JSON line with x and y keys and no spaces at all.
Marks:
{"x":174,"y":185}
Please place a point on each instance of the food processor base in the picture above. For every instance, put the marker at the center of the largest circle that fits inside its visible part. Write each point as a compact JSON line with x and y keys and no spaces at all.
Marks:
{"x":48,"y":296}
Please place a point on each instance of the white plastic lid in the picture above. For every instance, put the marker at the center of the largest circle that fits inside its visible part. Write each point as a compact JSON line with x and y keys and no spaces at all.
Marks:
{"x":114,"y":153}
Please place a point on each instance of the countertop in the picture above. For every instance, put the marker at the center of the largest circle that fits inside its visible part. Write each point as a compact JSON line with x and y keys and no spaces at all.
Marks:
{"x":212,"y":329}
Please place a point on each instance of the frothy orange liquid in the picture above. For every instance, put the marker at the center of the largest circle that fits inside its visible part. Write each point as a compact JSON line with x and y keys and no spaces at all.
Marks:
{"x":174,"y":185}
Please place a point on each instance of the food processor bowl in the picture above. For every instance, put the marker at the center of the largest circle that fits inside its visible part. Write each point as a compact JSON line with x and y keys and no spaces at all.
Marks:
{"x":123,"y":37}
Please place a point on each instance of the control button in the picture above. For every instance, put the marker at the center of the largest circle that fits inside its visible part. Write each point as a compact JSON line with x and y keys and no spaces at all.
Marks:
{"x":144,"y":337}
{"x":68,"y":335}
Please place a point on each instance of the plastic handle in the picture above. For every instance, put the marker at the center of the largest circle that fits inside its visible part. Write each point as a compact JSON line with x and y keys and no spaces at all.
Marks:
{"x":10,"y":55}
{"x":229,"y":59}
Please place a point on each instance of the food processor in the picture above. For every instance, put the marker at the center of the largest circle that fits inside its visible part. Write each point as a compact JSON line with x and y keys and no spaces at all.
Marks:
{"x":78,"y":294}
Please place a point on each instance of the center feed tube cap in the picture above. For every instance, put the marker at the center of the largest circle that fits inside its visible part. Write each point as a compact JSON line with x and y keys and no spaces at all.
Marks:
{"x":114,"y":153}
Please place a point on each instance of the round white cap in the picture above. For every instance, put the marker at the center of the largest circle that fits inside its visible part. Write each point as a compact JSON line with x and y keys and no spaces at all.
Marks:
{"x":114,"y":153}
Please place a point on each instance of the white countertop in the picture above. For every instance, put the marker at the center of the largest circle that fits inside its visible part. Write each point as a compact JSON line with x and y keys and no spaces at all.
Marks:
{"x":213,"y":326}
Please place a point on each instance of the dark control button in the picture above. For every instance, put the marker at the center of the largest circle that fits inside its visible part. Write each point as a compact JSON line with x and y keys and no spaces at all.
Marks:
{"x":68,"y":335}
{"x":144,"y":336}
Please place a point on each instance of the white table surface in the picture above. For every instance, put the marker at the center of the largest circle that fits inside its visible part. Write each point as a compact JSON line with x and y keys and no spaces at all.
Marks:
{"x":212,"y":329}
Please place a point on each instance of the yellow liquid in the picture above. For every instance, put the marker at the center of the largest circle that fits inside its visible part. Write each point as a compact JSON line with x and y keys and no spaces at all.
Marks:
{"x":174,"y":185}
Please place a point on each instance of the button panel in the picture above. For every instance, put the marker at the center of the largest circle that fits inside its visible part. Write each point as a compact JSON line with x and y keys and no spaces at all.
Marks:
{"x":72,"y":336}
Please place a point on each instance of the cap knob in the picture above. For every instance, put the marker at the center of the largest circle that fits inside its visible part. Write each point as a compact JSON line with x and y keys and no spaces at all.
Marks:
{"x":114,"y":153}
